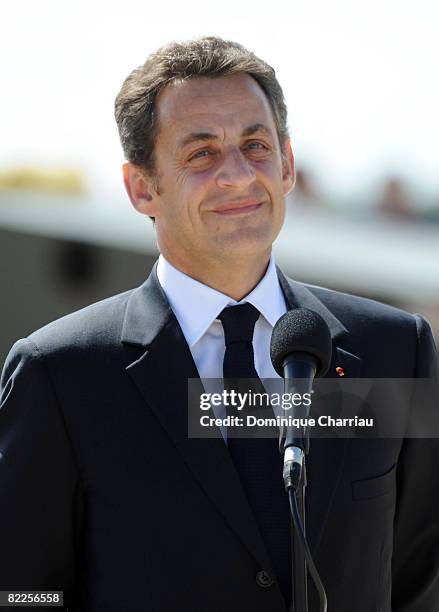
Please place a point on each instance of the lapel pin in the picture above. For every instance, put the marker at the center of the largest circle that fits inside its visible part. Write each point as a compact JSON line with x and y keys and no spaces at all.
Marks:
{"x":339,"y":371}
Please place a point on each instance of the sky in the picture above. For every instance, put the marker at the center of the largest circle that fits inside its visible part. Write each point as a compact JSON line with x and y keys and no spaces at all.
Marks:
{"x":359,"y":79}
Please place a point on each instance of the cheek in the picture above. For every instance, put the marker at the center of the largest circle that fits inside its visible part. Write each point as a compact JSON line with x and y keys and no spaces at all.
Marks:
{"x":200,"y":181}
{"x":270,"y":173}
{"x":195,"y":189}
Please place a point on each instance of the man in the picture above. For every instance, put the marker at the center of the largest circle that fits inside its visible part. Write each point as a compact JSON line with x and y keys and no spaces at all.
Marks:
{"x":103,"y":494}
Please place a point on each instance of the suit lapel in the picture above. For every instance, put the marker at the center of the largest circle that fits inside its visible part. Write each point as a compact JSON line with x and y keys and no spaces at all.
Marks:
{"x":161,"y":374}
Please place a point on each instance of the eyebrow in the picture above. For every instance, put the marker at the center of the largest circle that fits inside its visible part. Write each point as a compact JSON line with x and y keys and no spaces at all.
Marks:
{"x":256,"y":127}
{"x":203,"y":136}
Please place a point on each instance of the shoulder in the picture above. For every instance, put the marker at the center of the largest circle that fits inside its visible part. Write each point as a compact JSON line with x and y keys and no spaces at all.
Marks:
{"x":87,"y":340}
{"x":370,"y":321}
{"x":356,"y":310}
{"x":99,"y":323}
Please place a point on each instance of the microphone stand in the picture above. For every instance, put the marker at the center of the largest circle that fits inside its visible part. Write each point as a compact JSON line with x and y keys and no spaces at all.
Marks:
{"x":294,"y":473}
{"x":299,"y":572}
{"x":294,"y":445}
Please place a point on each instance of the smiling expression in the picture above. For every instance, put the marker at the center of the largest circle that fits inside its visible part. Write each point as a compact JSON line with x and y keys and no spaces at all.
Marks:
{"x":220,"y":177}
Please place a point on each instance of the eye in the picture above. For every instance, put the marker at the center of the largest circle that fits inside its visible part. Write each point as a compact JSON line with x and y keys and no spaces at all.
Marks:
{"x":256,"y":146}
{"x":200,"y":154}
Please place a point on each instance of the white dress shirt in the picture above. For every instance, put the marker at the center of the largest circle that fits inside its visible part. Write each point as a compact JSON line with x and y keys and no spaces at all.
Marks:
{"x":197,"y":307}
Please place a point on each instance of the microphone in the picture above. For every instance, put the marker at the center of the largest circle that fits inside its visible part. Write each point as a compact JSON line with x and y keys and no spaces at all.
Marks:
{"x":300,"y":350}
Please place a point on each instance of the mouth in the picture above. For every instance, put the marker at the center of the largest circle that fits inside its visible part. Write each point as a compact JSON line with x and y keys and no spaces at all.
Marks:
{"x":235,"y":208}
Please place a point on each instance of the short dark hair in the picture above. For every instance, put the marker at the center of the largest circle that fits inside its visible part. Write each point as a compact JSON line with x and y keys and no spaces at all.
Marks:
{"x":209,"y":56}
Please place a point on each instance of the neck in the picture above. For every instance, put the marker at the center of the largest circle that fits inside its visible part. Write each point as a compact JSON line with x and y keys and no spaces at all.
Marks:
{"x":235,"y":279}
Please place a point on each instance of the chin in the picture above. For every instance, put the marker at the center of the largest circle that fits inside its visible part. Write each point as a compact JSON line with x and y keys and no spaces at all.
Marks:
{"x":245,"y":241}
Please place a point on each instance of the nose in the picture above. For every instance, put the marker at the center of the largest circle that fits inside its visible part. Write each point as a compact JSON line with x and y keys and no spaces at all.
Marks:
{"x":235,"y":170}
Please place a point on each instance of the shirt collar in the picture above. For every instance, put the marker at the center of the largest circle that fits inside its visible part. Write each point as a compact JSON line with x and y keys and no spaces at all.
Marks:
{"x":196,"y":305}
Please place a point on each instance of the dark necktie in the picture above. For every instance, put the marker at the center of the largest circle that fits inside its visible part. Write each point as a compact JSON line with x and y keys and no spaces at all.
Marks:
{"x":257,"y":460}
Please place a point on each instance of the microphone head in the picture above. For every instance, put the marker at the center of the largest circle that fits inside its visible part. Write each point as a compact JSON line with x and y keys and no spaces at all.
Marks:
{"x":301,"y":330}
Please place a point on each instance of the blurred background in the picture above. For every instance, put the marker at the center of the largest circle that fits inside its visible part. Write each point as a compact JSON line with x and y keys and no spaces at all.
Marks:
{"x":363,"y":114}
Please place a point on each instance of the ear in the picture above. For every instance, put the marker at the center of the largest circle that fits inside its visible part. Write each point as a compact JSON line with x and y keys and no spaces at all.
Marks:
{"x":140,"y":189}
{"x":288,"y":171}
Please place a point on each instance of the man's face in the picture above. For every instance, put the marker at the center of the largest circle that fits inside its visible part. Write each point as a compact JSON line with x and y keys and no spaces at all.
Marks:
{"x":221,"y":181}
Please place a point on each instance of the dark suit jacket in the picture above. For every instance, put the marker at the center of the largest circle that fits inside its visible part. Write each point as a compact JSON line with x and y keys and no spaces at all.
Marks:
{"x":105,"y":497}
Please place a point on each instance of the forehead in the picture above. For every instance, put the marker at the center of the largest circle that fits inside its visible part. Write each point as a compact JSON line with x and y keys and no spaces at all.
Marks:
{"x":220,"y":103}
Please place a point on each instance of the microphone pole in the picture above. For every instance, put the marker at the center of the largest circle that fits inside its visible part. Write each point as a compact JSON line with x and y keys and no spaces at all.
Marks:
{"x":301,"y":347}
{"x":294,"y":445}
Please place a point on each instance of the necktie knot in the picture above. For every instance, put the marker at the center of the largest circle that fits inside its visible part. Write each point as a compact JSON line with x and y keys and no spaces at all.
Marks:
{"x":239,"y":323}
